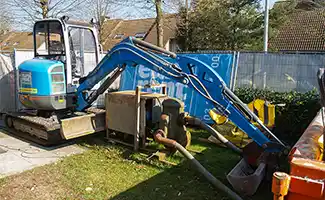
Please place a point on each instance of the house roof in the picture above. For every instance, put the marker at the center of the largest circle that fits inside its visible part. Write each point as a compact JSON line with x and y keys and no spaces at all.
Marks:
{"x":114,"y":28}
{"x":18,"y":40}
{"x":304,"y":31}
{"x":170,"y":25}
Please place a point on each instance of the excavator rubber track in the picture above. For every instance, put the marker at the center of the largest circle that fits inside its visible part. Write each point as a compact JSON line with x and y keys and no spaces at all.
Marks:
{"x":49,"y":131}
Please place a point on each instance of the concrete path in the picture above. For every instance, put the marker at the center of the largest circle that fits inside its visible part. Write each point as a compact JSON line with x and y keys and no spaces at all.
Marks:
{"x":17,"y":155}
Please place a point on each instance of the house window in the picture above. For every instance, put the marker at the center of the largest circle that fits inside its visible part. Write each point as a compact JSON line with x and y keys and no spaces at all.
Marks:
{"x":140,"y":35}
{"x":118,"y":36}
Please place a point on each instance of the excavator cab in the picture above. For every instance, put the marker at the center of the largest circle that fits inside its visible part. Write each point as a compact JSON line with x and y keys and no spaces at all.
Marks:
{"x":64,"y":52}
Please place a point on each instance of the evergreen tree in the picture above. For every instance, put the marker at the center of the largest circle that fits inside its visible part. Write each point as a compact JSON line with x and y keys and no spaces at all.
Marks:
{"x":222,"y":25}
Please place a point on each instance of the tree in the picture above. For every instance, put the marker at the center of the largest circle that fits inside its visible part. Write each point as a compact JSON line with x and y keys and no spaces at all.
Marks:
{"x":221,"y":25}
{"x":26,"y":12}
{"x":98,"y":10}
{"x":279,"y":14}
{"x":5,"y":20}
{"x":143,"y":6}
{"x":160,"y":17}
{"x":309,"y":4}
{"x":160,"y":23}
{"x":150,"y":8}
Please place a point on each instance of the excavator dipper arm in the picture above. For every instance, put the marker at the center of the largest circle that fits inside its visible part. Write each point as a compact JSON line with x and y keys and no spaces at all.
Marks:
{"x":194,"y":73}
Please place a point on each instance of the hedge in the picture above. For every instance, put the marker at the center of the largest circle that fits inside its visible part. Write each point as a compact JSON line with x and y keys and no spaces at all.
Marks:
{"x":291,"y":119}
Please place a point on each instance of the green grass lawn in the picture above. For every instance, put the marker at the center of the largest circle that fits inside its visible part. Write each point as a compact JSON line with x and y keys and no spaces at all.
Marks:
{"x":115,"y":172}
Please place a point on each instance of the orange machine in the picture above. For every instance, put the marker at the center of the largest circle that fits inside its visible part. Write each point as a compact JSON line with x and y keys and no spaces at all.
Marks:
{"x":306,"y":179}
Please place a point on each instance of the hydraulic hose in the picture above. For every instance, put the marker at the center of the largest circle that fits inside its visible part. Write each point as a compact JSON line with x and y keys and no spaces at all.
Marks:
{"x":158,"y":136}
{"x":104,"y":86}
{"x":195,"y":121}
{"x":153,"y":47}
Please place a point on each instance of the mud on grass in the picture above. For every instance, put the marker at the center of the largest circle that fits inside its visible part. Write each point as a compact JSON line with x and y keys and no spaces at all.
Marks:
{"x":114,"y":172}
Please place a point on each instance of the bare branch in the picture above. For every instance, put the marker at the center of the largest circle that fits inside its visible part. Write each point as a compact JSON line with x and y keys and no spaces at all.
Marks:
{"x":55,"y":5}
{"x":26,"y":12}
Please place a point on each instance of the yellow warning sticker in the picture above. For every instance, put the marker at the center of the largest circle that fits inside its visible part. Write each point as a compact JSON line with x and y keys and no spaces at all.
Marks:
{"x":28,"y":90}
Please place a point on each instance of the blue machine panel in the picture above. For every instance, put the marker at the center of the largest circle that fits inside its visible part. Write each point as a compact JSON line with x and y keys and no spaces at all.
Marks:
{"x":35,"y":76}
{"x":195,"y":104}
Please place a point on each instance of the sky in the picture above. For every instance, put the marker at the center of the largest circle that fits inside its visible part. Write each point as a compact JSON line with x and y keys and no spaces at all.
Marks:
{"x":134,"y":12}
{"x":131,"y":11}
{"x":271,"y":3}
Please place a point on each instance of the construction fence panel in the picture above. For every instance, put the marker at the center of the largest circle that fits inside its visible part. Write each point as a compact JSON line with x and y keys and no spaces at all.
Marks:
{"x":279,"y":72}
{"x":276,"y":71}
{"x":195,"y":104}
{"x":8,"y":96}
{"x":9,"y":62}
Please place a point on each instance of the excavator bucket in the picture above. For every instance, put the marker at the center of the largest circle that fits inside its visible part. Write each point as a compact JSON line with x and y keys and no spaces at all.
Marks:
{"x":246,"y":176}
{"x":263,"y":109}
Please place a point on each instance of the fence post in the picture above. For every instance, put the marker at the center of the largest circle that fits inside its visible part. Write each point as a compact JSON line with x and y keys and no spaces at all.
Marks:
{"x":16,"y":77}
{"x":232,"y":70}
{"x":236,"y":70}
{"x":253,"y":72}
{"x":264,"y":80}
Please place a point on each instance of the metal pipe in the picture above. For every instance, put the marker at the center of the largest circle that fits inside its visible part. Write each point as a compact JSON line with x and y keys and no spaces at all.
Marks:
{"x":158,"y":136}
{"x":236,"y":70}
{"x":104,"y":86}
{"x":195,"y":121}
{"x":266,"y":25}
{"x":232,"y":70}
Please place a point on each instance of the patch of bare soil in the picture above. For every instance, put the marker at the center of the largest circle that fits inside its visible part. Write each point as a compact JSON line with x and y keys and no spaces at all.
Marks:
{"x":41,"y":183}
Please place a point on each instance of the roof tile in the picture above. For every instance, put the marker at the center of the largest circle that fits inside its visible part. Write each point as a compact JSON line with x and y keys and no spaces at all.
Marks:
{"x":304,"y":31}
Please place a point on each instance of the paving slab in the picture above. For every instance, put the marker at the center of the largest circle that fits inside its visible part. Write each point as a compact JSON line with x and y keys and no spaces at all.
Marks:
{"x":11,"y":163}
{"x":17,"y":155}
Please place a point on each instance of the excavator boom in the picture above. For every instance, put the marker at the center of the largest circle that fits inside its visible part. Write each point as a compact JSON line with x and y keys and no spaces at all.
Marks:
{"x":132,"y":52}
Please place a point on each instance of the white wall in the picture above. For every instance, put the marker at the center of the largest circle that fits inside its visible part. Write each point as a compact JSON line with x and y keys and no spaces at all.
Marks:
{"x":22,"y":55}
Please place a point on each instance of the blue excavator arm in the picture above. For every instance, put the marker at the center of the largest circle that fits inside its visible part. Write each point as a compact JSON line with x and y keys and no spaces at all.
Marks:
{"x":197,"y":75}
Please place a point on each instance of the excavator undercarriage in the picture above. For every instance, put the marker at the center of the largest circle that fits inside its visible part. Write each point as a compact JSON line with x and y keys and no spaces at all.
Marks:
{"x":55,"y":129}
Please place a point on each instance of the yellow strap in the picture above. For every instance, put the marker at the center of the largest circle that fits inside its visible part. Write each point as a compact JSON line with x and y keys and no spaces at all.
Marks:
{"x":218,"y":119}
{"x":258,"y":106}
